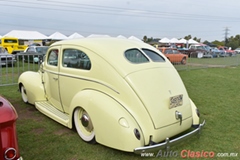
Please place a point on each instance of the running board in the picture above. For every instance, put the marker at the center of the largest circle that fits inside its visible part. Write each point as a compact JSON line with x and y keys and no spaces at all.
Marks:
{"x":49,"y":110}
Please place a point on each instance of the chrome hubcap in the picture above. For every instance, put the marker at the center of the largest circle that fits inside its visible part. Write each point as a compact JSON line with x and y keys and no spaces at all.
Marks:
{"x":86,"y":122}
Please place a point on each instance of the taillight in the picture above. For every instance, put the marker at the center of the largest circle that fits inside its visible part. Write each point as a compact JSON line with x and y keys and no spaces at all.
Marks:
{"x":137,"y":134}
{"x":198,"y":113}
{"x":9,"y":141}
{"x":10,"y":153}
{"x":8,"y":133}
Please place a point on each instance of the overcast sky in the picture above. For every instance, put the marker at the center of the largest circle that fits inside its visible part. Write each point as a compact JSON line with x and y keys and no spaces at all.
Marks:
{"x":205,"y":19}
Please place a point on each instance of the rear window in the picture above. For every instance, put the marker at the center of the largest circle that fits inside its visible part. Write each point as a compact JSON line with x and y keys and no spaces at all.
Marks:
{"x":155,"y":57}
{"x":10,"y":41}
{"x":136,"y":56}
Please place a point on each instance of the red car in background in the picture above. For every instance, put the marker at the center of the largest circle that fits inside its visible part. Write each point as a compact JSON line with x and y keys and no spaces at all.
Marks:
{"x":8,"y":135}
{"x":226,"y":51}
{"x":174,"y":55}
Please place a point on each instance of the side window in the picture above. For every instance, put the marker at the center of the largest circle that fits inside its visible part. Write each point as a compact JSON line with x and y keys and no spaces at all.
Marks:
{"x":30,"y":49}
{"x":73,"y":58}
{"x":53,"y":57}
{"x":175,"y":51}
{"x":167,"y":51}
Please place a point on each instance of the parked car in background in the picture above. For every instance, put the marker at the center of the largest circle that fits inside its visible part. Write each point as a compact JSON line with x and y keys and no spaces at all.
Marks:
{"x":37,"y":49}
{"x":193,"y":52}
{"x":9,"y":149}
{"x":34,"y":44}
{"x":12,"y":45}
{"x":237,"y":50}
{"x":33,"y":54}
{"x":217,"y":51}
{"x":174,"y":55}
{"x":226,"y":52}
{"x":203,"y":51}
{"x":211,"y":52}
{"x":120,"y":93}
{"x":6,"y":59}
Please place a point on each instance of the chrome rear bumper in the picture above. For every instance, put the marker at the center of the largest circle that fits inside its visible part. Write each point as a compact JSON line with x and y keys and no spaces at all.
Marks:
{"x":169,"y":142}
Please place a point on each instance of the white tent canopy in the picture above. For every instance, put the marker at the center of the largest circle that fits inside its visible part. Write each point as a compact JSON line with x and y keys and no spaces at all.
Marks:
{"x":184,"y":41}
{"x":121,"y":36}
{"x":26,"y":35}
{"x":75,"y":36}
{"x":164,"y":40}
{"x":135,"y":38}
{"x":97,"y":36}
{"x":174,"y":40}
{"x":57,"y":36}
{"x":191,"y":41}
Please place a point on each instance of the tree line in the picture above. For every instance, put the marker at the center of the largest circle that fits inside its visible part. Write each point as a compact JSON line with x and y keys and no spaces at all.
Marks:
{"x":233,"y":41}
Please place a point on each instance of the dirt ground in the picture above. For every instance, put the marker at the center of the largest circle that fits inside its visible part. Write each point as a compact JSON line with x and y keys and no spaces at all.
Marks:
{"x":30,"y":113}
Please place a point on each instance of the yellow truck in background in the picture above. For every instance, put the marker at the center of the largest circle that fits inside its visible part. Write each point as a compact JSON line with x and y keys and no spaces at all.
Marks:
{"x":12,"y":45}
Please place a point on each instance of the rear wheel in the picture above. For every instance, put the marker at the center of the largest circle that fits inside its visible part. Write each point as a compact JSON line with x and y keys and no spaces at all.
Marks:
{"x":84,"y":125}
{"x":184,"y":61}
{"x":24,"y":94}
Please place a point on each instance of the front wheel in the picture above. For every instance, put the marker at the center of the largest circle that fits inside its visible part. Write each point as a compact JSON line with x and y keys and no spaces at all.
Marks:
{"x":24,"y":94}
{"x":84,"y":126}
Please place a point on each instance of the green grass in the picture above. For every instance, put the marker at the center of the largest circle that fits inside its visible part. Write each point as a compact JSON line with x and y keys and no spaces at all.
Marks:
{"x":198,"y":63}
{"x":215,"y":91}
{"x":216,"y":61}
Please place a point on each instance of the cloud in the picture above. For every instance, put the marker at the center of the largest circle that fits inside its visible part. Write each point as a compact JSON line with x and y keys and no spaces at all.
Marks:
{"x":153,"y":18}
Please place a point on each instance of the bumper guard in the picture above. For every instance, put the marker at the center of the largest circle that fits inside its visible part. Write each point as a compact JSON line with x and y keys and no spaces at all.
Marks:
{"x":169,"y":142}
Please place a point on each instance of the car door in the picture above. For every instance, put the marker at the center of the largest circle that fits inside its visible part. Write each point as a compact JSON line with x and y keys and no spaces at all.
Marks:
{"x":177,"y":56}
{"x":169,"y":54}
{"x":51,"y":77}
{"x":74,"y":73}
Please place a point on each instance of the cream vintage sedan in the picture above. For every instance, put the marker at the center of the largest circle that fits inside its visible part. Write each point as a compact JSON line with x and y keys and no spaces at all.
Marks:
{"x":120,"y":93}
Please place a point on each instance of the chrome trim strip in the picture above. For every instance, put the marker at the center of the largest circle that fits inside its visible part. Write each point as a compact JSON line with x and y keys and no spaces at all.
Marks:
{"x":168,"y":142}
{"x":82,"y":79}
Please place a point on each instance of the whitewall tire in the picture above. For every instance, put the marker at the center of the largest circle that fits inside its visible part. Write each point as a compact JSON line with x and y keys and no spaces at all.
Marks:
{"x":24,"y":94}
{"x":84,"y":126}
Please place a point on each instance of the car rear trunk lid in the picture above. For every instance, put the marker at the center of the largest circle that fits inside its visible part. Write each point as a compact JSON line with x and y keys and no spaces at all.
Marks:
{"x":155,"y":87}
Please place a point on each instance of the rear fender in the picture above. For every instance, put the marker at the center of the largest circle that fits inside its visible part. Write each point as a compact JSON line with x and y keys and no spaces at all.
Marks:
{"x":194,"y":113}
{"x":9,"y":49}
{"x":113,"y":125}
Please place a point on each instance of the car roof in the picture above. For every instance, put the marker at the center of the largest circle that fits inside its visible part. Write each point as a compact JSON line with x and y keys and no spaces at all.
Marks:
{"x":112,"y":50}
{"x":38,"y":46}
{"x":165,"y":48}
{"x":200,"y":44}
{"x":100,"y":41}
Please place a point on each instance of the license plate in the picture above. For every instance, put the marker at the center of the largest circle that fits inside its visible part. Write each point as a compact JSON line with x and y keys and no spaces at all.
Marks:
{"x":176,"y":101}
